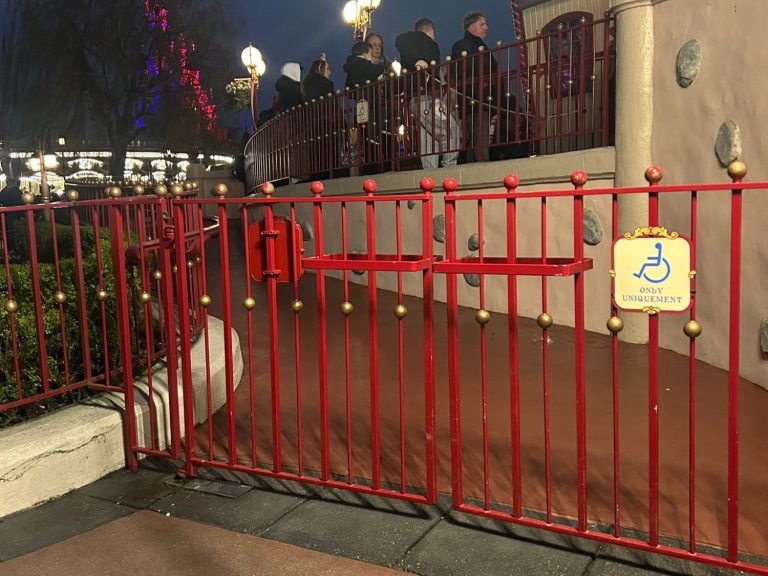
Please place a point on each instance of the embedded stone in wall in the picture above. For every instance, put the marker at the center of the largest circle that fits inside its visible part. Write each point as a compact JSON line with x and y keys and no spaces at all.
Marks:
{"x":438,"y":228}
{"x":358,"y":272}
{"x":473,"y":243}
{"x":764,"y":336}
{"x":472,"y":279}
{"x":592,"y":229}
{"x":411,"y":204}
{"x":728,"y":143}
{"x":308,"y":230}
{"x":688,"y":63}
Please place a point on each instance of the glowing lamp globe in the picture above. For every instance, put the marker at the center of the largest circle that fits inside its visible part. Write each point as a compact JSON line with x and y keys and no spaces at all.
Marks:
{"x":349,"y":13}
{"x":252,"y":59}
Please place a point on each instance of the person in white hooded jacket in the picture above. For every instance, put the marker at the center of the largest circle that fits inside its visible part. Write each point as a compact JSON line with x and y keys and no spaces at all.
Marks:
{"x":288,"y":87}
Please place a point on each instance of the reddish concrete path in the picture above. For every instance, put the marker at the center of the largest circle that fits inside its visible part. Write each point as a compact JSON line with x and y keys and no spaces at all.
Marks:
{"x":150,"y":544}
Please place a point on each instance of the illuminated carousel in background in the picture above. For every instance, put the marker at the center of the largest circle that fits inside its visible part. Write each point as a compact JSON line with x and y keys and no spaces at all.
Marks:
{"x":145,"y":166}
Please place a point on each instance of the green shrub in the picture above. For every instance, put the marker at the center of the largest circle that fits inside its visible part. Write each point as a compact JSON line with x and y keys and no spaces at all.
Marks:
{"x":63,"y":332}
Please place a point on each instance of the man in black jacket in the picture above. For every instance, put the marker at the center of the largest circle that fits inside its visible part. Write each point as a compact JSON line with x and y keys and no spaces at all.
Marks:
{"x":476,"y":76}
{"x":440,"y":134}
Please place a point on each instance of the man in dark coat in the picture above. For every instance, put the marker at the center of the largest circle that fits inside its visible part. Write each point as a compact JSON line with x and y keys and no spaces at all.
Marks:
{"x":440,"y":134}
{"x":361,"y":68}
{"x":476,"y":77}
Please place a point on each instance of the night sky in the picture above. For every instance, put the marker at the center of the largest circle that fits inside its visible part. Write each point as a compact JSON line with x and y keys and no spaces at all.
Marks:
{"x":287,"y":31}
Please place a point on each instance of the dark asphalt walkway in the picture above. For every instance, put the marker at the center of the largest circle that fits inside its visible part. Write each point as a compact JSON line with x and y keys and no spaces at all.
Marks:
{"x":153,"y":523}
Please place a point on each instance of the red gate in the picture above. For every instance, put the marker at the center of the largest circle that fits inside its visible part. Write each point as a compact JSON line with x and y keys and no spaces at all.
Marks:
{"x":339,"y":384}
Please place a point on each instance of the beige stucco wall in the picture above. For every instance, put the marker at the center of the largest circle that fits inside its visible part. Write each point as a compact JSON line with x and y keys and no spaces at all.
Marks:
{"x":730,"y":86}
{"x":542,"y":173}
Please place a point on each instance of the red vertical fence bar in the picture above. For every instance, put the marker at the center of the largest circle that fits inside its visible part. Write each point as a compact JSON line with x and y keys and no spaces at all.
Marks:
{"x":579,"y":178}
{"x":369,"y":186}
{"x":121,"y":301}
{"x":297,"y":305}
{"x":271,"y":274}
{"x":692,"y":384}
{"x":510,"y":183}
{"x":544,"y":321}
{"x":427,"y":185}
{"x":653,"y":176}
{"x":251,"y":369}
{"x":346,"y":309}
{"x":452,"y":307}
{"x":483,"y":317}
{"x":322,"y":333}
{"x":736,"y":171}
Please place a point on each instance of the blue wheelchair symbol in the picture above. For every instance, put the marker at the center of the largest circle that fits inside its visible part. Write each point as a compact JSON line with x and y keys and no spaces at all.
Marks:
{"x":656,"y":261}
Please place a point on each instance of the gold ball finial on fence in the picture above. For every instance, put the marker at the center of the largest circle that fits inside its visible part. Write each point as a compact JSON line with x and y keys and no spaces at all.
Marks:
{"x":401,"y":311}
{"x":579,"y":178}
{"x":205,"y":300}
{"x":161,"y":190}
{"x":692,"y":329}
{"x":11,"y":306}
{"x":220,"y":189}
{"x":654,"y":174}
{"x":138,"y":189}
{"x":482,"y":317}
{"x":27,"y":198}
{"x":267,"y":188}
{"x":615,"y":324}
{"x":157,"y":275}
{"x":297,"y":306}
{"x":177,"y":189}
{"x":347,"y":308}
{"x":737,"y":169}
{"x":102,"y":295}
{"x":72,"y":195}
{"x":145,"y":297}
{"x":115,"y":192}
{"x":249,"y":303}
{"x":60,"y":297}
{"x":544,"y":320}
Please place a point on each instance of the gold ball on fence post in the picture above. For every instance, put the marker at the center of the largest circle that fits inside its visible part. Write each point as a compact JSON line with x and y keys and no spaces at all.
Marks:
{"x":175,"y":268}
{"x":60,"y":297}
{"x":654,"y":174}
{"x":297,"y":306}
{"x":198,"y":259}
{"x":615,"y":324}
{"x":544,"y":320}
{"x":482,"y":317}
{"x":401,"y":311}
{"x":737,"y":169}
{"x":193,"y":184}
{"x":205,"y":300}
{"x":187,"y":185}
{"x":220,"y":189}
{"x":267,"y":188}
{"x":145,"y":297}
{"x":249,"y":303}
{"x":138,"y":189}
{"x":177,"y":189}
{"x":106,"y":191}
{"x":161,"y":190}
{"x":11,"y":306}
{"x":102,"y":295}
{"x":692,"y":329}
{"x":115,"y":192}
{"x":27,"y":198}
{"x":190,"y":263}
{"x":157,"y":275}
{"x":346,"y":308}
{"x":72,"y":195}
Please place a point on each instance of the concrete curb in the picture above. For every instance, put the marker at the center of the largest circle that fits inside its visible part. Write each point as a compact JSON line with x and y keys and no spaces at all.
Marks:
{"x":62,"y":451}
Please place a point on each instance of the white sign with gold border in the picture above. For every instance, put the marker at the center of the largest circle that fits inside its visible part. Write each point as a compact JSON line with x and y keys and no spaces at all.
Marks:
{"x":652,"y":271}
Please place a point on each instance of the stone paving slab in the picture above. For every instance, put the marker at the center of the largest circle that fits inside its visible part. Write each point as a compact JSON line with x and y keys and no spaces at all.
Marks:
{"x":150,"y":544}
{"x":252,"y":512}
{"x":53,"y":521}
{"x":138,"y":489}
{"x":352,"y":531}
{"x":450,"y":549}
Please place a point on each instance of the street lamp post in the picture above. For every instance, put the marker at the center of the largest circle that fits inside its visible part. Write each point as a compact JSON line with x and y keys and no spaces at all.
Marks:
{"x":359,"y":14}
{"x":256,"y":66}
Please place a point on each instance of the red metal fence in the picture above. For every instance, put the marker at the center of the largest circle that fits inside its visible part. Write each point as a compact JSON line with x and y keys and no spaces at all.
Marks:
{"x":548,"y":94}
{"x":86,"y":290}
{"x":341,"y":372}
